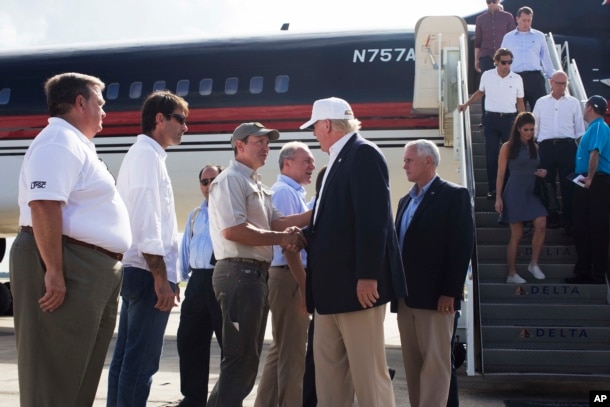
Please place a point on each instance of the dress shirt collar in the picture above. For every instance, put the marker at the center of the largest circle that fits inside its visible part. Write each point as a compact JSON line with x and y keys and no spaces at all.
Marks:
{"x":143,"y":138}
{"x":290,"y":182}
{"x":245,"y":170}
{"x":336,"y":148}
{"x":418,"y":194}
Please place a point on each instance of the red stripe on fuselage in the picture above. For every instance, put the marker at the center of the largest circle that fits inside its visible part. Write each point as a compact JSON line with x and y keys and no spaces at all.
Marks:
{"x":386,"y":116}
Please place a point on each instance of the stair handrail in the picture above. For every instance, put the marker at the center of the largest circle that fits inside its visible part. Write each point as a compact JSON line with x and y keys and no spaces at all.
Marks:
{"x":575,"y":83}
{"x":464,"y":144}
{"x":560,"y":57}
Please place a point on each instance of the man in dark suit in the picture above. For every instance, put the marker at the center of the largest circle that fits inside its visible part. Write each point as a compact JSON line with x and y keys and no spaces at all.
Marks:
{"x":354,"y":264}
{"x":436,"y":234}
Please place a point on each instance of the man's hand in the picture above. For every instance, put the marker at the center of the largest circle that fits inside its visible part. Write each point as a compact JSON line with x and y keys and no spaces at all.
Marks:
{"x":293,"y":239}
{"x":166,"y":297}
{"x":445,"y":304}
{"x":55,"y":291}
{"x":366,"y":290}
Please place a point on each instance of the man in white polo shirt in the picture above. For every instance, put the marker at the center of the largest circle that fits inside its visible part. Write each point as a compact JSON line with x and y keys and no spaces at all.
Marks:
{"x":559,"y":123}
{"x":503,"y":91}
{"x":66,"y":260}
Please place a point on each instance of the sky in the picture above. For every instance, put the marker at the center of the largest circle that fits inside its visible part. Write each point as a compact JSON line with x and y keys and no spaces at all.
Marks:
{"x":26,"y":24}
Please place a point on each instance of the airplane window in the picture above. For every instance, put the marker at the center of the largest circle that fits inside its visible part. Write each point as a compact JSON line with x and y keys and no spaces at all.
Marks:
{"x":281,"y":83}
{"x":231,"y":86}
{"x":112,"y":91}
{"x":135,"y":90}
{"x":205,"y":87}
{"x":182,"y":87}
{"x":256,"y":84}
{"x":159,"y":85}
{"x":5,"y":96}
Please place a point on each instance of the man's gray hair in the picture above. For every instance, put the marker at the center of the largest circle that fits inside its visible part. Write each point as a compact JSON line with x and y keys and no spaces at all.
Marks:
{"x":426,"y":148}
{"x":289,"y":150}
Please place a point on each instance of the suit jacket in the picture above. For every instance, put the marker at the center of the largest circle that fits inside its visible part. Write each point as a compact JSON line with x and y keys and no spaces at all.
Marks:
{"x":353,"y":235}
{"x":438,"y":244}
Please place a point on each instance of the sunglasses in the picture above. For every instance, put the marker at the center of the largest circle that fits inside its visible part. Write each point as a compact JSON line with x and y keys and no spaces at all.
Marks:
{"x":492,"y":1}
{"x":206,"y":181}
{"x":506,"y":62}
{"x":179,"y":118}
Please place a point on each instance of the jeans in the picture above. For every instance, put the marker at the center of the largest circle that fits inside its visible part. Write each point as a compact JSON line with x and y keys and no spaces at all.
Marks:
{"x":139,"y":342}
{"x":241,"y":291}
{"x":200,"y":317}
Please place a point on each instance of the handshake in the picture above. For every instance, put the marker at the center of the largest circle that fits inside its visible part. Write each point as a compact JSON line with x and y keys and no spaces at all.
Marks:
{"x":293,"y":239}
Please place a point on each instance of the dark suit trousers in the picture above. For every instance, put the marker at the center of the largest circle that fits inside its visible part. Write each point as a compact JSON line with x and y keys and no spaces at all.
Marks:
{"x":200,"y":317}
{"x":557,"y":157}
{"x":591,"y":218}
{"x":310,"y":398}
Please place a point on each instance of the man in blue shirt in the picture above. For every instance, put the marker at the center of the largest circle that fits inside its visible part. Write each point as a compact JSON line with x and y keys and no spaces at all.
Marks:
{"x":281,"y":382}
{"x":592,"y":197}
{"x":531,"y":56}
{"x":200,"y":315}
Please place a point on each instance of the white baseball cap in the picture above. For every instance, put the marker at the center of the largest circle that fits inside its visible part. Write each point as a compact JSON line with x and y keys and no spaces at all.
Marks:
{"x":331,"y":108}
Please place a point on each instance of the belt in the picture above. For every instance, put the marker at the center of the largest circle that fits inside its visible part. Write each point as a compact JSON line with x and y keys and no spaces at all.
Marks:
{"x":528,"y":72}
{"x":511,"y":115}
{"x":68,"y":239}
{"x":258,"y":263}
{"x":558,"y":140}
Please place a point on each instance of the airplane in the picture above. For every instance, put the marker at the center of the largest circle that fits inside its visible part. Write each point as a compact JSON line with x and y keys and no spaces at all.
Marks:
{"x":271,"y":79}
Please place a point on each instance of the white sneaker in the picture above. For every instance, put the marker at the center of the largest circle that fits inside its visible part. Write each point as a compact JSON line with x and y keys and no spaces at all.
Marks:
{"x":536,"y":272}
{"x":515,"y":279}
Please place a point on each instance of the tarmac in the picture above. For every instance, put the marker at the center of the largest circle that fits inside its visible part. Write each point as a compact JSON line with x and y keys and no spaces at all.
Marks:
{"x":475,"y":391}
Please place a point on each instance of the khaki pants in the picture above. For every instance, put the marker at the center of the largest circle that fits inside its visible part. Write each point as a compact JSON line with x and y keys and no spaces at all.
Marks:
{"x":425,"y":336}
{"x":349,"y":354}
{"x":281,"y":382}
{"x":61,"y":354}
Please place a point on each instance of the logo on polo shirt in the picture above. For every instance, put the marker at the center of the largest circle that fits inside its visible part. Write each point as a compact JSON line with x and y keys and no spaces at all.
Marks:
{"x":38,"y":185}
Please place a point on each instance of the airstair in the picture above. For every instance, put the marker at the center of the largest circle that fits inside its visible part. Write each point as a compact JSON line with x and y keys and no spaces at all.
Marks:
{"x":543,"y":328}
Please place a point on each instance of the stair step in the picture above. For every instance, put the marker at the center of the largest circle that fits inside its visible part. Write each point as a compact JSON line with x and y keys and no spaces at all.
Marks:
{"x":546,"y":361}
{"x":501,"y":234}
{"x":494,"y":253}
{"x":538,"y":292}
{"x":576,"y":315}
{"x":479,"y":161}
{"x":546,"y":337}
{"x":482,"y":204}
{"x":496,"y":273}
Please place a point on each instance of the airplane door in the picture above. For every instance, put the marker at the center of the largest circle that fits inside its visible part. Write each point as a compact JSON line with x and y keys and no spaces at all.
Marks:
{"x":433,"y":34}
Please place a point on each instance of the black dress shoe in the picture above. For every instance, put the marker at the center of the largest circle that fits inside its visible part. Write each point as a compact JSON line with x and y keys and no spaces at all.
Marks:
{"x":491,"y":195}
{"x":579,"y":279}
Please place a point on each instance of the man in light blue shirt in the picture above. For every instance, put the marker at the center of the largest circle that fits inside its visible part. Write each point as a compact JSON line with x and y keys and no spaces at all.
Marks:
{"x":531,"y":56}
{"x":592,"y":198}
{"x":281,"y":382}
{"x":200,"y":315}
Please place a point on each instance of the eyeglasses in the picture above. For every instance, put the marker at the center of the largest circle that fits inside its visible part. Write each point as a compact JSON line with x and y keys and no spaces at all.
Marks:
{"x":206,"y":181}
{"x":506,"y":62}
{"x":179,"y":118}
